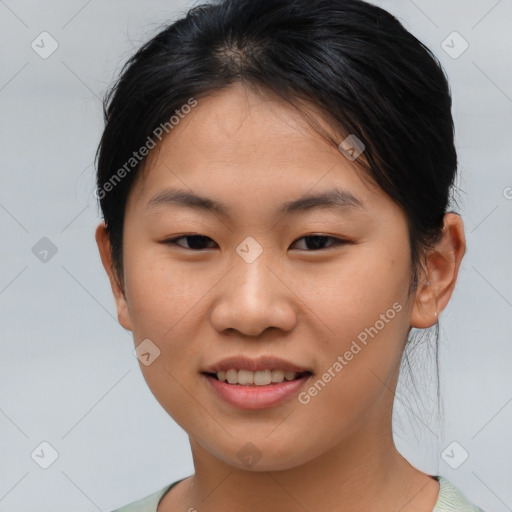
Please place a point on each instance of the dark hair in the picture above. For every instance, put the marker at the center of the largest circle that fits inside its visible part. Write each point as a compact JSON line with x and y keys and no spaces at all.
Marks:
{"x":351,"y":60}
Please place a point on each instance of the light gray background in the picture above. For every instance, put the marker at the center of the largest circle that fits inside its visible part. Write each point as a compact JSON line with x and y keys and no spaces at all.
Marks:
{"x":68,"y":375}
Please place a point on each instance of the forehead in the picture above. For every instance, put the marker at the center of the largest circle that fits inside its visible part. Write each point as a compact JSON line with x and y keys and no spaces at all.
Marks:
{"x":241,"y":140}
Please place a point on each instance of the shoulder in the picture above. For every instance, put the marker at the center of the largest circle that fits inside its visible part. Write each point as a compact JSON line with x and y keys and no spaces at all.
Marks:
{"x":147,"y":504}
{"x":450,"y":499}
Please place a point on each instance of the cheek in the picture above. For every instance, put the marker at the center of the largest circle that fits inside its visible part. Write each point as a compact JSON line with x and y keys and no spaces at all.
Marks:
{"x":163,"y":306}
{"x":164,"y":303}
{"x":351,"y":294}
{"x":366,"y":311}
{"x":158,"y":294}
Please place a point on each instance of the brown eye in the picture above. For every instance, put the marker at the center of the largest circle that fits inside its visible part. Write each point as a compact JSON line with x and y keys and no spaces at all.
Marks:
{"x":195,"y":242}
{"x":318,"y":242}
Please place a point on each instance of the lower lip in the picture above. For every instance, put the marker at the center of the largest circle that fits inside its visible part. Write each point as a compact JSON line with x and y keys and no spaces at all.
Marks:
{"x":256,"y":397}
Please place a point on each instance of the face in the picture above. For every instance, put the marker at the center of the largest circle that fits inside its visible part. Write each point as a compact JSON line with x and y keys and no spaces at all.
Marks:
{"x":322,"y":284}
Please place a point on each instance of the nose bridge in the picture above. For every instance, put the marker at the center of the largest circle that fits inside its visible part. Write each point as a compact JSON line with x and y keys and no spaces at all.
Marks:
{"x":252,"y":275}
{"x":253,"y":298}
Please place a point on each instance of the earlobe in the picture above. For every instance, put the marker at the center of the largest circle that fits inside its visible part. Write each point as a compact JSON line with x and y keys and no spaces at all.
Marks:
{"x":105,"y":250}
{"x":442,"y":264}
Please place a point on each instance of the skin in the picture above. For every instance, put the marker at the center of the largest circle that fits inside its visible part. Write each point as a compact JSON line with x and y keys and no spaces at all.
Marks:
{"x":303,"y":304}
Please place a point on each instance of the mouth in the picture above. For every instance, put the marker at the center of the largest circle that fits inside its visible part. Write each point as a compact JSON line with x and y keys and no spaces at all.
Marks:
{"x":255,"y":383}
{"x":244,"y":377}
{"x":244,"y":389}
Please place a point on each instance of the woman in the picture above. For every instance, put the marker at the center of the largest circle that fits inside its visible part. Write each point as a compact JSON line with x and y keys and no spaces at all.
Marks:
{"x":275,"y":178}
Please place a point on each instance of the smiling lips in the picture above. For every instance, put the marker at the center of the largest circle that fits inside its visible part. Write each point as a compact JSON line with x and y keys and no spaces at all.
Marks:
{"x":255,"y":383}
{"x":255,"y":372}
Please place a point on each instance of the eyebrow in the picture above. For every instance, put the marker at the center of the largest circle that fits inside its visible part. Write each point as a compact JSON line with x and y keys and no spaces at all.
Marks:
{"x":336,"y":198}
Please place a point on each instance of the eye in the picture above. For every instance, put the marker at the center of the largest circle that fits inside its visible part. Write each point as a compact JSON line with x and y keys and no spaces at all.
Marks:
{"x":313,"y":242}
{"x":196,"y":242}
{"x":317,"y":242}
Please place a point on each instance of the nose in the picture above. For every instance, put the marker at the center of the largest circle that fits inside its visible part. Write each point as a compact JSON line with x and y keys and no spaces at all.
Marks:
{"x":254,"y":297}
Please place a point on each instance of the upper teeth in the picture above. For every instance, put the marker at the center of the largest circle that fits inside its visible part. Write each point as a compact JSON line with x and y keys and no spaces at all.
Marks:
{"x":260,"y":378}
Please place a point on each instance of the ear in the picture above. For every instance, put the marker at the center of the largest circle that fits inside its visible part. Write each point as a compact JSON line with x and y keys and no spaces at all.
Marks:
{"x":105,"y":249}
{"x":442,"y":264}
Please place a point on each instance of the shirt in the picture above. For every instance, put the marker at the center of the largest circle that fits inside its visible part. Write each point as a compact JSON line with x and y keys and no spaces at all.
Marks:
{"x":450,"y":499}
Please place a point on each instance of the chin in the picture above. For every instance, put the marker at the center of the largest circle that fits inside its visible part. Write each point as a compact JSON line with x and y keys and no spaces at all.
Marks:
{"x":263,"y":455}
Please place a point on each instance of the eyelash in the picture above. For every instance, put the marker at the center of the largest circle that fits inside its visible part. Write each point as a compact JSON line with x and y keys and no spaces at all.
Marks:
{"x":337,"y":241}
